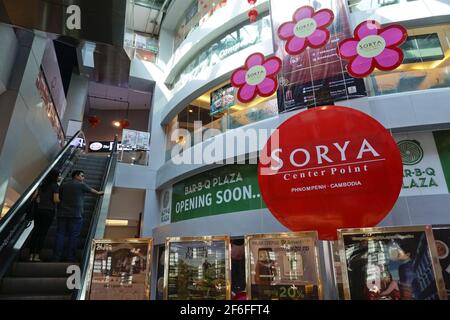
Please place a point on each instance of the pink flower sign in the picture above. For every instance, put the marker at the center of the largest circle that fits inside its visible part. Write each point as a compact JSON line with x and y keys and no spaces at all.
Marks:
{"x":373,"y":47}
{"x":307,"y":29}
{"x":257,"y":77}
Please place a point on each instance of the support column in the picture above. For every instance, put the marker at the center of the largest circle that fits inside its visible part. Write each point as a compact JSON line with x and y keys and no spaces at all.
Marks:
{"x":76,"y":102}
{"x":14,"y":54}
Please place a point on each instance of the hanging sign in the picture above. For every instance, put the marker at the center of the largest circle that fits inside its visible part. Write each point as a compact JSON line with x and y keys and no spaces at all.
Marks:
{"x":307,"y":29}
{"x":316,"y":77}
{"x":257,"y":77}
{"x":328,"y":168}
{"x":373,"y":47}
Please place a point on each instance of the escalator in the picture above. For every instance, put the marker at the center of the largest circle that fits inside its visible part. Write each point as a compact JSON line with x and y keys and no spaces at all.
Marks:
{"x":21,"y":279}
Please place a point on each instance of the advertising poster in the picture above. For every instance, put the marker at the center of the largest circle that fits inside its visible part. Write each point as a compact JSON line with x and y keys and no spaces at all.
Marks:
{"x":347,"y":175}
{"x":283,"y":267}
{"x":396,"y":263}
{"x":231,"y":188}
{"x":317,"y":76}
{"x":197,"y":268}
{"x":222,"y":99}
{"x":442,"y":239}
{"x":52,"y":72}
{"x":135,"y":139}
{"x":120,"y":269}
{"x":422,"y":169}
{"x":129,"y":138}
{"x":49,"y":107}
{"x":142,"y":140}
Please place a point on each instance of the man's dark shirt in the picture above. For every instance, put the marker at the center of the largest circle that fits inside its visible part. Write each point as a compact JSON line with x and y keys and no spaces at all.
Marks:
{"x":72,"y":199}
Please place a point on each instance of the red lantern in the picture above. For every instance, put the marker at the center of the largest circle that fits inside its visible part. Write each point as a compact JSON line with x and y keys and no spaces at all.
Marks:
{"x":93,"y":121}
{"x":253,"y":15}
{"x":251,"y":2}
{"x":124,"y":123}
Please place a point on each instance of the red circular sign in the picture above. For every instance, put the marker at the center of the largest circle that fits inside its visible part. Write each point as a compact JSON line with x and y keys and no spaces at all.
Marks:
{"x":329,"y":168}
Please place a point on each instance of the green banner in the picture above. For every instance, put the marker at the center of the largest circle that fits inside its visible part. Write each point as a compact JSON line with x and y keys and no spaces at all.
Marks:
{"x":231,"y":188}
{"x":443,"y":145}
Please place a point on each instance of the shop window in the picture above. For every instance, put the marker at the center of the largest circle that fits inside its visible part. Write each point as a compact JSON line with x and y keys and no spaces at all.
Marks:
{"x":426,"y":47}
{"x":425,"y":66}
{"x":216,"y":109}
{"x":367,"y":5}
{"x":233,"y":41}
{"x":197,"y":14}
{"x":238,"y":281}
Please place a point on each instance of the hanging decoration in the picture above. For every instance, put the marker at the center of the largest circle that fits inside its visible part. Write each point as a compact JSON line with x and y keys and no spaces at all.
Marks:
{"x":93,"y":121}
{"x":257,"y":77}
{"x":373,"y":47}
{"x":307,"y":29}
{"x":124,"y":123}
{"x":253,"y":12}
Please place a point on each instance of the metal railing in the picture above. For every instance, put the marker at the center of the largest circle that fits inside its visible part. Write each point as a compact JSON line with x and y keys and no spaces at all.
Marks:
{"x":97,"y":225}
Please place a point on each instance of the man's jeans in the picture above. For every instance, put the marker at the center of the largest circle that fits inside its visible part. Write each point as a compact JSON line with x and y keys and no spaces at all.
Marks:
{"x":72,"y":228}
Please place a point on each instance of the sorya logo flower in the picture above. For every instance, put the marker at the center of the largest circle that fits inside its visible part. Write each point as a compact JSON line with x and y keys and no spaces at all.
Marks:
{"x":307,"y":29}
{"x":257,"y":77}
{"x":373,"y":47}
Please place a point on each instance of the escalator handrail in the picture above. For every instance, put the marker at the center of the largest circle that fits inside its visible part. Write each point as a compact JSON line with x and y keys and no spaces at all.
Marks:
{"x":26,"y":196}
{"x":84,"y":264}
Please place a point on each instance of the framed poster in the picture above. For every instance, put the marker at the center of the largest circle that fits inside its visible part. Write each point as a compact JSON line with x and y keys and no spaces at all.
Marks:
{"x":49,"y":106}
{"x":442,"y":239}
{"x":283,"y":266}
{"x":120,"y":269}
{"x":197,"y":268}
{"x":391,"y":263}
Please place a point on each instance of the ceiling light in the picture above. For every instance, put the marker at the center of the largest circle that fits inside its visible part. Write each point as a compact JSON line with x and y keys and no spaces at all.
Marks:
{"x":190,"y":110}
{"x":116,"y":223}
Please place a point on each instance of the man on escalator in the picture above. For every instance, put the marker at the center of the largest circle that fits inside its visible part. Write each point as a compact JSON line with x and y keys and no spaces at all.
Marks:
{"x":70,"y":215}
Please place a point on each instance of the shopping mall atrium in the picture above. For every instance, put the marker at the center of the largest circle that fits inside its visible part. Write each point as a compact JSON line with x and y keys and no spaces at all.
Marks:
{"x":225,"y":150}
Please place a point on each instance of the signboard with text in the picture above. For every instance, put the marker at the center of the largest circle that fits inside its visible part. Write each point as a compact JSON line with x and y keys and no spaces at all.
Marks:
{"x":422,"y":168}
{"x":342,"y":169}
{"x":133,"y":139}
{"x":231,"y":188}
